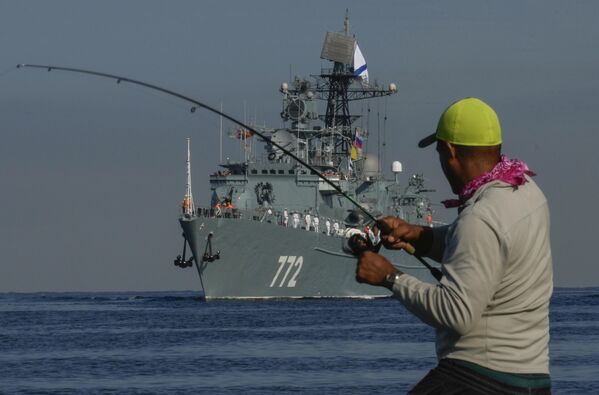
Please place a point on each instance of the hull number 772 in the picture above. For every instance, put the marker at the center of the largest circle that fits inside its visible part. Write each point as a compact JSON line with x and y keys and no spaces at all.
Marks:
{"x":289,"y":267}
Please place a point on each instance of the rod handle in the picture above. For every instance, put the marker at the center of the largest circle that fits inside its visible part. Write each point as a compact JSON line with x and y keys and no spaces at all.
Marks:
{"x":386,"y":229}
{"x":410,"y":249}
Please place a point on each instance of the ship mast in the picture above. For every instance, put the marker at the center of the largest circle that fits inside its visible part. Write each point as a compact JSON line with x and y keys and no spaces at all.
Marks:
{"x":340,"y":84}
{"x":188,"y":206}
{"x":338,"y":144}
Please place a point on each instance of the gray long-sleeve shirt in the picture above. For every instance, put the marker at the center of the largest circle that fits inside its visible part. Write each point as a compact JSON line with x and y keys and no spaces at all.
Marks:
{"x":492,"y":304}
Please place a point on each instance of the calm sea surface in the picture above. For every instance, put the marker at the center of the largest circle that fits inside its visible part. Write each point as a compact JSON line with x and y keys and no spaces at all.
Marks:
{"x":174,"y":343}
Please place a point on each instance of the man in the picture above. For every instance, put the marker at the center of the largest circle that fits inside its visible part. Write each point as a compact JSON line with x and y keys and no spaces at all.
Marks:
{"x":316,"y":222}
{"x":296,"y":220}
{"x":285,"y":217}
{"x":335,"y":228}
{"x":490,"y":309}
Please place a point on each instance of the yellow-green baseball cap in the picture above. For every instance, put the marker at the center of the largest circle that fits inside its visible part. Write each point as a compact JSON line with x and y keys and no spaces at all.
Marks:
{"x":470,"y":122}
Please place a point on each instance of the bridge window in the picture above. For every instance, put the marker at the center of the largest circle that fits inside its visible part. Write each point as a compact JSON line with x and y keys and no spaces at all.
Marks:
{"x":254,"y":171}
{"x":264,"y":171}
{"x":281,"y":171}
{"x":273,"y":171}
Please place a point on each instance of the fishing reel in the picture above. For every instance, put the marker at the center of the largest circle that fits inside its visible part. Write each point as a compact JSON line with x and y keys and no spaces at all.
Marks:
{"x":357,"y":244}
{"x":367,"y":240}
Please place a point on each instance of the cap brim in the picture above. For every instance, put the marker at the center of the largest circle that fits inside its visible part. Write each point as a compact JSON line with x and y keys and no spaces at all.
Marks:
{"x":428,"y":140}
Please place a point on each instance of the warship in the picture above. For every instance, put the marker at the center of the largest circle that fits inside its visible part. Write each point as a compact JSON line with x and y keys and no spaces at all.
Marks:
{"x":274,"y":227}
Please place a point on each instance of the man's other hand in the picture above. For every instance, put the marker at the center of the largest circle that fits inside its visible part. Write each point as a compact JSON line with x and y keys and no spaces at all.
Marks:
{"x":373,"y":269}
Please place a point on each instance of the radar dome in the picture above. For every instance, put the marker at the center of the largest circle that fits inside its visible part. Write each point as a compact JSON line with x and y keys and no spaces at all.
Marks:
{"x":396,"y":167}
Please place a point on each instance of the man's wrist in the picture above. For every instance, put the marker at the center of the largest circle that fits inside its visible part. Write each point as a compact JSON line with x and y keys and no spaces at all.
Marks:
{"x":392,"y":277}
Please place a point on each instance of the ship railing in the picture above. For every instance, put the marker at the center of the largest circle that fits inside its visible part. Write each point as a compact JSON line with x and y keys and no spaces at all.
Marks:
{"x":278,"y":218}
{"x":295,"y":220}
{"x":219,"y":212}
{"x":260,"y":215}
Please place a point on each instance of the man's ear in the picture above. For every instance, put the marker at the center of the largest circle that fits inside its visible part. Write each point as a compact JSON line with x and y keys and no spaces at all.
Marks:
{"x":453,"y":152}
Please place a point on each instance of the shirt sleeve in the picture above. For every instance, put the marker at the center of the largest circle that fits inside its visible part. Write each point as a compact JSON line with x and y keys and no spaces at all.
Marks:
{"x":438,"y":247}
{"x":472,"y":269}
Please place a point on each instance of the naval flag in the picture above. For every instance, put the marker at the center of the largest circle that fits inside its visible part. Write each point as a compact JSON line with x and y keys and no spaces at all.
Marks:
{"x":360,"y":69}
{"x":356,"y":148}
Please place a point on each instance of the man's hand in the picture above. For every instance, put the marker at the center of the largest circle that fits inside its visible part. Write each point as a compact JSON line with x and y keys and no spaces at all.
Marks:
{"x":373,"y":269}
{"x":400,"y":234}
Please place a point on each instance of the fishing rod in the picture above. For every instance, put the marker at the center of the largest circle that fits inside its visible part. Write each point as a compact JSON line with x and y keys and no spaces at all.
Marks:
{"x":197,"y":103}
{"x":384,"y":228}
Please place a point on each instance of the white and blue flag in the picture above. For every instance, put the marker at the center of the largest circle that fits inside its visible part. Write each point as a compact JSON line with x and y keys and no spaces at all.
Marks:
{"x":360,"y":69}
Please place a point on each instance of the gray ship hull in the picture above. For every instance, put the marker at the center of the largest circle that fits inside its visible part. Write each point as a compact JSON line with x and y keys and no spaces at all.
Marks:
{"x":268,"y":260}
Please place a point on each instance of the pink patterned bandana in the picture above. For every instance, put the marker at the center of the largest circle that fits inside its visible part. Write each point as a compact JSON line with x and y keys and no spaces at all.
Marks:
{"x":511,"y":171}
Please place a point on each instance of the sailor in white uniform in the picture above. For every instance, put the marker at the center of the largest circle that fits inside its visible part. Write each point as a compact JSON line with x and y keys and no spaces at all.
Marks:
{"x":336,"y":229}
{"x":316,"y":221}
{"x":296,"y":220}
{"x":285,"y":217}
{"x":308,"y":220}
{"x":327,"y":224}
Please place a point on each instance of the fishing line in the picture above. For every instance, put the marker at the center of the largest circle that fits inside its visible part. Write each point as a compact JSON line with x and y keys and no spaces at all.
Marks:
{"x":197,"y":104}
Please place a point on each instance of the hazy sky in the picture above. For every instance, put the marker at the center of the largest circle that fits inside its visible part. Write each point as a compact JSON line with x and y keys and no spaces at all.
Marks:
{"x":92,"y":173}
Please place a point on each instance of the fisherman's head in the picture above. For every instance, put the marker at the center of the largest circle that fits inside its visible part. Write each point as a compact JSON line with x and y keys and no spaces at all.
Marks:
{"x":468,"y":141}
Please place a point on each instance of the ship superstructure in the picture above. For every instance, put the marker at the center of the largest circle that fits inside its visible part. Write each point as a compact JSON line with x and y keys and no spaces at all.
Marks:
{"x":274,"y":228}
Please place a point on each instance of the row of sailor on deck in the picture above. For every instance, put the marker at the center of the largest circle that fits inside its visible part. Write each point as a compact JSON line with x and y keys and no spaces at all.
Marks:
{"x":309,"y":222}
{"x":285,"y":218}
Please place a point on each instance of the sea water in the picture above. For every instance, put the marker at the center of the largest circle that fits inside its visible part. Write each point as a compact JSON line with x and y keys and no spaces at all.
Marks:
{"x":176,"y":343}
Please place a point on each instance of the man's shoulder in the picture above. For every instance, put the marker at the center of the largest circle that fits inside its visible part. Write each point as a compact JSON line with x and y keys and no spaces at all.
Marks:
{"x":502,"y":205}
{"x":504,"y":196}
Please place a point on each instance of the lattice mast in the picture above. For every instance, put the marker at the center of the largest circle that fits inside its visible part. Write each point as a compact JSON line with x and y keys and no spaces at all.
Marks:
{"x":343,"y":83}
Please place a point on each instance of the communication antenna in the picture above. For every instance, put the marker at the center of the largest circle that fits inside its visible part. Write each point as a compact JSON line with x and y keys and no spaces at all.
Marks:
{"x":220,"y":158}
{"x":346,"y":22}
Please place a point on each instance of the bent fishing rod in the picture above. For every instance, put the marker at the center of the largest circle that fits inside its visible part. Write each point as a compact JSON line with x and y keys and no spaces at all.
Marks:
{"x":384,"y":228}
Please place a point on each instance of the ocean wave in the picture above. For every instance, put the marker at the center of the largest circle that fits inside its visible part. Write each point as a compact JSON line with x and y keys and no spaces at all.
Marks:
{"x":99,"y":297}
